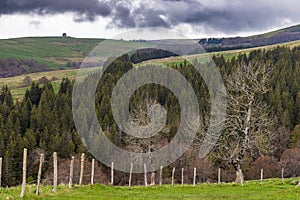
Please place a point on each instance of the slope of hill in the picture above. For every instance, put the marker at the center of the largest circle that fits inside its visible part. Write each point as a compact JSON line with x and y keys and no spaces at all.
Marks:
{"x":18,"y":87}
{"x":67,"y":52}
{"x":276,"y":37}
{"x":227,"y":54}
{"x":55,"y":52}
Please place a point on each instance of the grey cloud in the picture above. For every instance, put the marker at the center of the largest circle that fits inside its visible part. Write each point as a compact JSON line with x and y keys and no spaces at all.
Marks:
{"x":227,"y":16}
{"x":85,"y":10}
{"x":35,"y":23}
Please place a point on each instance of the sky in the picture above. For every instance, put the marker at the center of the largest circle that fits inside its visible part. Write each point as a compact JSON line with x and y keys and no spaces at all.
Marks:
{"x":108,"y":18}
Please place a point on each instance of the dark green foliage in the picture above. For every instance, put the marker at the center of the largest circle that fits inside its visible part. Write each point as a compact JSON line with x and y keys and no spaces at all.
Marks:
{"x":148,"y":54}
{"x":43,"y":120}
{"x":15,"y":67}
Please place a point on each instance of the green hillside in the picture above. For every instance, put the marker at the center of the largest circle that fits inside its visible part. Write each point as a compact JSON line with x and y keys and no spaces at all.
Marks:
{"x":227,"y":54}
{"x":290,"y":29}
{"x":18,"y":88}
{"x":53,"y":51}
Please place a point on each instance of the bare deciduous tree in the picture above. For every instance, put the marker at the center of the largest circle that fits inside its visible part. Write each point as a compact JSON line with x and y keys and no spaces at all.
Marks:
{"x":143,"y":115}
{"x":248,"y":122}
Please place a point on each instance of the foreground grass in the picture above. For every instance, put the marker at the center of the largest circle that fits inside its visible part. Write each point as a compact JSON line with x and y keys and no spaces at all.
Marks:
{"x":271,"y":189}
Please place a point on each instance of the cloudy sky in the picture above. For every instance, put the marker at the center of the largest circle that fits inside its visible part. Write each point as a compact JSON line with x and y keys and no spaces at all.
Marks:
{"x":107,"y":18}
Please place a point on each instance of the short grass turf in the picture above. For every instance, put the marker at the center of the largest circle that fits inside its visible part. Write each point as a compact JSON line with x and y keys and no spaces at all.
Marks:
{"x":271,"y":189}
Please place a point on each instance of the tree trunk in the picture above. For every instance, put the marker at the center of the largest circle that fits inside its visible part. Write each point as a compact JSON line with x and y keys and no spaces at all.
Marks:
{"x":152,"y":179}
{"x":239,"y":179}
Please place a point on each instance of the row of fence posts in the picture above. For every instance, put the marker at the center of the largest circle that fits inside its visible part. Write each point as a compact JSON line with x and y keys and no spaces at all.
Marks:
{"x":71,"y":176}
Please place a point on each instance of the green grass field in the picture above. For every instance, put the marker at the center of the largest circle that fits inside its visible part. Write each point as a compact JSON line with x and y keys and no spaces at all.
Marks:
{"x":56,"y":52}
{"x":53,"y":51}
{"x":18,"y":88}
{"x":271,"y":189}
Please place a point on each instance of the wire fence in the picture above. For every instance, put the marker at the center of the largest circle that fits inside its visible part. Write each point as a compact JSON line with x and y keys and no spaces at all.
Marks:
{"x":81,"y":171}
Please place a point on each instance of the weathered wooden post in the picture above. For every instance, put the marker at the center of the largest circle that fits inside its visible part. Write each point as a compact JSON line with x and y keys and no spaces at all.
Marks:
{"x":145,"y":175}
{"x":160,"y":175}
{"x":112,"y":174}
{"x":261,"y":176}
{"x":173,"y":173}
{"x":81,"y":169}
{"x":93,"y":171}
{"x":71,"y":172}
{"x":54,"y":172}
{"x":219,"y":176}
{"x":282,"y":175}
{"x":194,"y":180}
{"x":152,"y":179}
{"x":130,"y":174}
{"x":0,"y":171}
{"x":182,"y":171}
{"x":24,"y":173}
{"x":39,"y":174}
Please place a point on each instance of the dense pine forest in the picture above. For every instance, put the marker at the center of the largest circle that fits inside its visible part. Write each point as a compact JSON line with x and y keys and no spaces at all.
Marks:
{"x":42,"y":121}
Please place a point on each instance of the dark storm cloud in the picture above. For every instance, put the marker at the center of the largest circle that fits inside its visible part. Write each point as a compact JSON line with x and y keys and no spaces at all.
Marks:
{"x":227,"y":16}
{"x":85,"y":10}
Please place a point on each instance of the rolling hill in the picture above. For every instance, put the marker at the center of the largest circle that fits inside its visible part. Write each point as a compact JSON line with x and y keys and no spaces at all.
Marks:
{"x":18,"y":87}
{"x":55,"y":52}
{"x":65,"y":52}
{"x":275,"y":37}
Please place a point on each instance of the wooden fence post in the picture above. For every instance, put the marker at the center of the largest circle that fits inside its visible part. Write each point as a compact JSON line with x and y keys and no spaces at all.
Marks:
{"x":182,"y":171}
{"x":261,"y":176}
{"x":39,"y":174}
{"x":0,"y":171}
{"x":145,"y":175}
{"x":81,"y":169}
{"x":173,"y":173}
{"x":112,"y":174}
{"x":93,"y":171}
{"x":219,"y":176}
{"x":282,"y":175}
{"x":24,"y":173}
{"x":194,"y":180}
{"x":55,"y":172}
{"x":130,"y":174}
{"x":160,"y":175}
{"x":71,"y":172}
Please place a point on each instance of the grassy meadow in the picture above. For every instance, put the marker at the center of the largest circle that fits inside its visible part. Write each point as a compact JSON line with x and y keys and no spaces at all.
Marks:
{"x":56,"y":52}
{"x":18,"y":88}
{"x":53,"y":51}
{"x":271,"y":189}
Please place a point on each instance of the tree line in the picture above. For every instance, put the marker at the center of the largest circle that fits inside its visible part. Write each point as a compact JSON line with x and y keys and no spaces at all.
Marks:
{"x":15,"y":67}
{"x":42,"y":121}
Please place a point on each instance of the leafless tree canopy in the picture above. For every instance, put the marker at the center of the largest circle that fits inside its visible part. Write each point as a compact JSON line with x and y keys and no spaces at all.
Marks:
{"x":248,"y":123}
